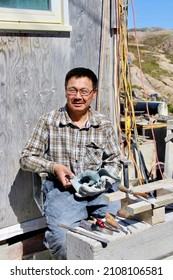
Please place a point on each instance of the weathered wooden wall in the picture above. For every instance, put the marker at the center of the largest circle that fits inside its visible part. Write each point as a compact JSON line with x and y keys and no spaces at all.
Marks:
{"x":32,"y":70}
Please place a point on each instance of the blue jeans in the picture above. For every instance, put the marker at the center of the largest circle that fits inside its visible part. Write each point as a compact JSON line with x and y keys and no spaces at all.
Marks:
{"x":61,"y":206}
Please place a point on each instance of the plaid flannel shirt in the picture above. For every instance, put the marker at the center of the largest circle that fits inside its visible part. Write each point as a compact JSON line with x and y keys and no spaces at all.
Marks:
{"x":55,"y":139}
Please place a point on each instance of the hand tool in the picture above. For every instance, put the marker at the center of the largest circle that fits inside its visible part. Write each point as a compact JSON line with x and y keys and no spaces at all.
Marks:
{"x":102,"y":225}
{"x":112,"y":228}
{"x":126,"y":222}
{"x":85,"y":233}
{"x":88,"y":225}
{"x":113,"y":223}
{"x":140,"y":195}
{"x":126,"y":215}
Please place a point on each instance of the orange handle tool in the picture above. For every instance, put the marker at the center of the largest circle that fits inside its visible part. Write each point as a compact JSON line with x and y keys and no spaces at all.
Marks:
{"x":125,"y":190}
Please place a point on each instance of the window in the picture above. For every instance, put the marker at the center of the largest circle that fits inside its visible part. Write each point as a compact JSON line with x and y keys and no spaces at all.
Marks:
{"x":26,"y":4}
{"x":34,"y":15}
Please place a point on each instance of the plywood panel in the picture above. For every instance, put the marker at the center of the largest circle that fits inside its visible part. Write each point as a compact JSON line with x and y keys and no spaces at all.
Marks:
{"x":85,"y":17}
{"x":92,"y":46}
{"x":31,"y":81}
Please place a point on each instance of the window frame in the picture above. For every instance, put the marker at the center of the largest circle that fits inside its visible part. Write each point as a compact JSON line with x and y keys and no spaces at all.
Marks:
{"x":36,"y":20}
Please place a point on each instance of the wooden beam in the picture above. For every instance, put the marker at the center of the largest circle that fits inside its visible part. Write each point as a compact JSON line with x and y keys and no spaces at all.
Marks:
{"x":164,"y":183}
{"x":115,"y":196}
{"x":143,"y":206}
{"x":23,"y":248}
{"x":35,"y":224}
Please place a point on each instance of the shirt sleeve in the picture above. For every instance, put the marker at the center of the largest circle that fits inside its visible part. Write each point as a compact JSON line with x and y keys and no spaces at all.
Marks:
{"x":111,"y":157}
{"x":32,"y":158}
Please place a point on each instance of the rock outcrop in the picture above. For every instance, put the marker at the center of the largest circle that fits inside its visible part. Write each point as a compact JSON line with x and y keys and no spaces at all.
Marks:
{"x":156,"y":54}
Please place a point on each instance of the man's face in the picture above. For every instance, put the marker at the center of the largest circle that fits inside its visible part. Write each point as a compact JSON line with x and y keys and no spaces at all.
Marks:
{"x":79,"y":94}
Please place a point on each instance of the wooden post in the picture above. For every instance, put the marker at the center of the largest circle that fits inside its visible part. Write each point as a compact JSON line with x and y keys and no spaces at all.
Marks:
{"x":169,"y":150}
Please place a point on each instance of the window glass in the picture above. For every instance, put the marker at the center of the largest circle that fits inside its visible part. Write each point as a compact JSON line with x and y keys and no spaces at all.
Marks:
{"x":43,"y":15}
{"x":43,"y":5}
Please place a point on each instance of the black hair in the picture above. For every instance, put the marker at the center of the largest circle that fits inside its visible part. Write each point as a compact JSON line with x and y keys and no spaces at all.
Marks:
{"x":82,"y":72}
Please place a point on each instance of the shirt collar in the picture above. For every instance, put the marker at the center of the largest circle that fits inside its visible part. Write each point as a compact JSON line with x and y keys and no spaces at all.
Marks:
{"x":65,"y":119}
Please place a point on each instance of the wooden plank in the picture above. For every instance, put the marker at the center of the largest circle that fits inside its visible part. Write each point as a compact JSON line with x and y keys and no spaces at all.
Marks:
{"x":23,"y":248}
{"x":115,"y":196}
{"x":143,"y":206}
{"x":145,"y":126}
{"x":18,"y":229}
{"x":42,"y":255}
{"x":165,"y":183}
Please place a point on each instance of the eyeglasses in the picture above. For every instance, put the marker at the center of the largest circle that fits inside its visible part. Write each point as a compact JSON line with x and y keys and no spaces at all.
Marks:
{"x":82,"y":91}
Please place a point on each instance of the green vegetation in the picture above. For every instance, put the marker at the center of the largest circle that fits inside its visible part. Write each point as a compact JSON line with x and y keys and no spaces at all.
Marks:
{"x":155,"y":40}
{"x":150,"y":67}
{"x":170,"y":108}
{"x":137,"y":87}
{"x":170,"y":57}
{"x":148,"y":51}
{"x":149,"y":61}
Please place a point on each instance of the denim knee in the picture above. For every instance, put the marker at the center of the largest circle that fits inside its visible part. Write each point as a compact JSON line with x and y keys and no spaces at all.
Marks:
{"x":55,"y":242}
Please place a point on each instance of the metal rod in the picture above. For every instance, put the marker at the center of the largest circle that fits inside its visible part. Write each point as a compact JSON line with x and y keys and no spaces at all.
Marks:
{"x":88,"y":234}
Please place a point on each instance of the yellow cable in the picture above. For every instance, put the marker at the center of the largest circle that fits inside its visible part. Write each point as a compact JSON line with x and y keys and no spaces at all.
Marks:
{"x":125,"y":84}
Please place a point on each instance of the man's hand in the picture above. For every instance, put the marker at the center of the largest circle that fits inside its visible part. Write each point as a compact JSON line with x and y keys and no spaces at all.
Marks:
{"x":63,"y":174}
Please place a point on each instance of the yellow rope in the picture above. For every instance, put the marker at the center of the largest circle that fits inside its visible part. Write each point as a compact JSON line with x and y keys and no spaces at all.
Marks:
{"x":125,"y":83}
{"x":123,"y":79}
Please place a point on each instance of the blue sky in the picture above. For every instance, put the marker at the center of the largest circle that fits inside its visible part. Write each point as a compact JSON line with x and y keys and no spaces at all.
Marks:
{"x":151,"y":13}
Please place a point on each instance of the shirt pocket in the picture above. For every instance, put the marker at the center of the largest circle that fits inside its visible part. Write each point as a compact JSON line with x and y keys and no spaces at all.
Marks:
{"x":94,"y":154}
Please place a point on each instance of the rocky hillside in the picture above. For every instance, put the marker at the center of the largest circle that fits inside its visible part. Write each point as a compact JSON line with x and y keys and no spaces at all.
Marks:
{"x":155,"y":75}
